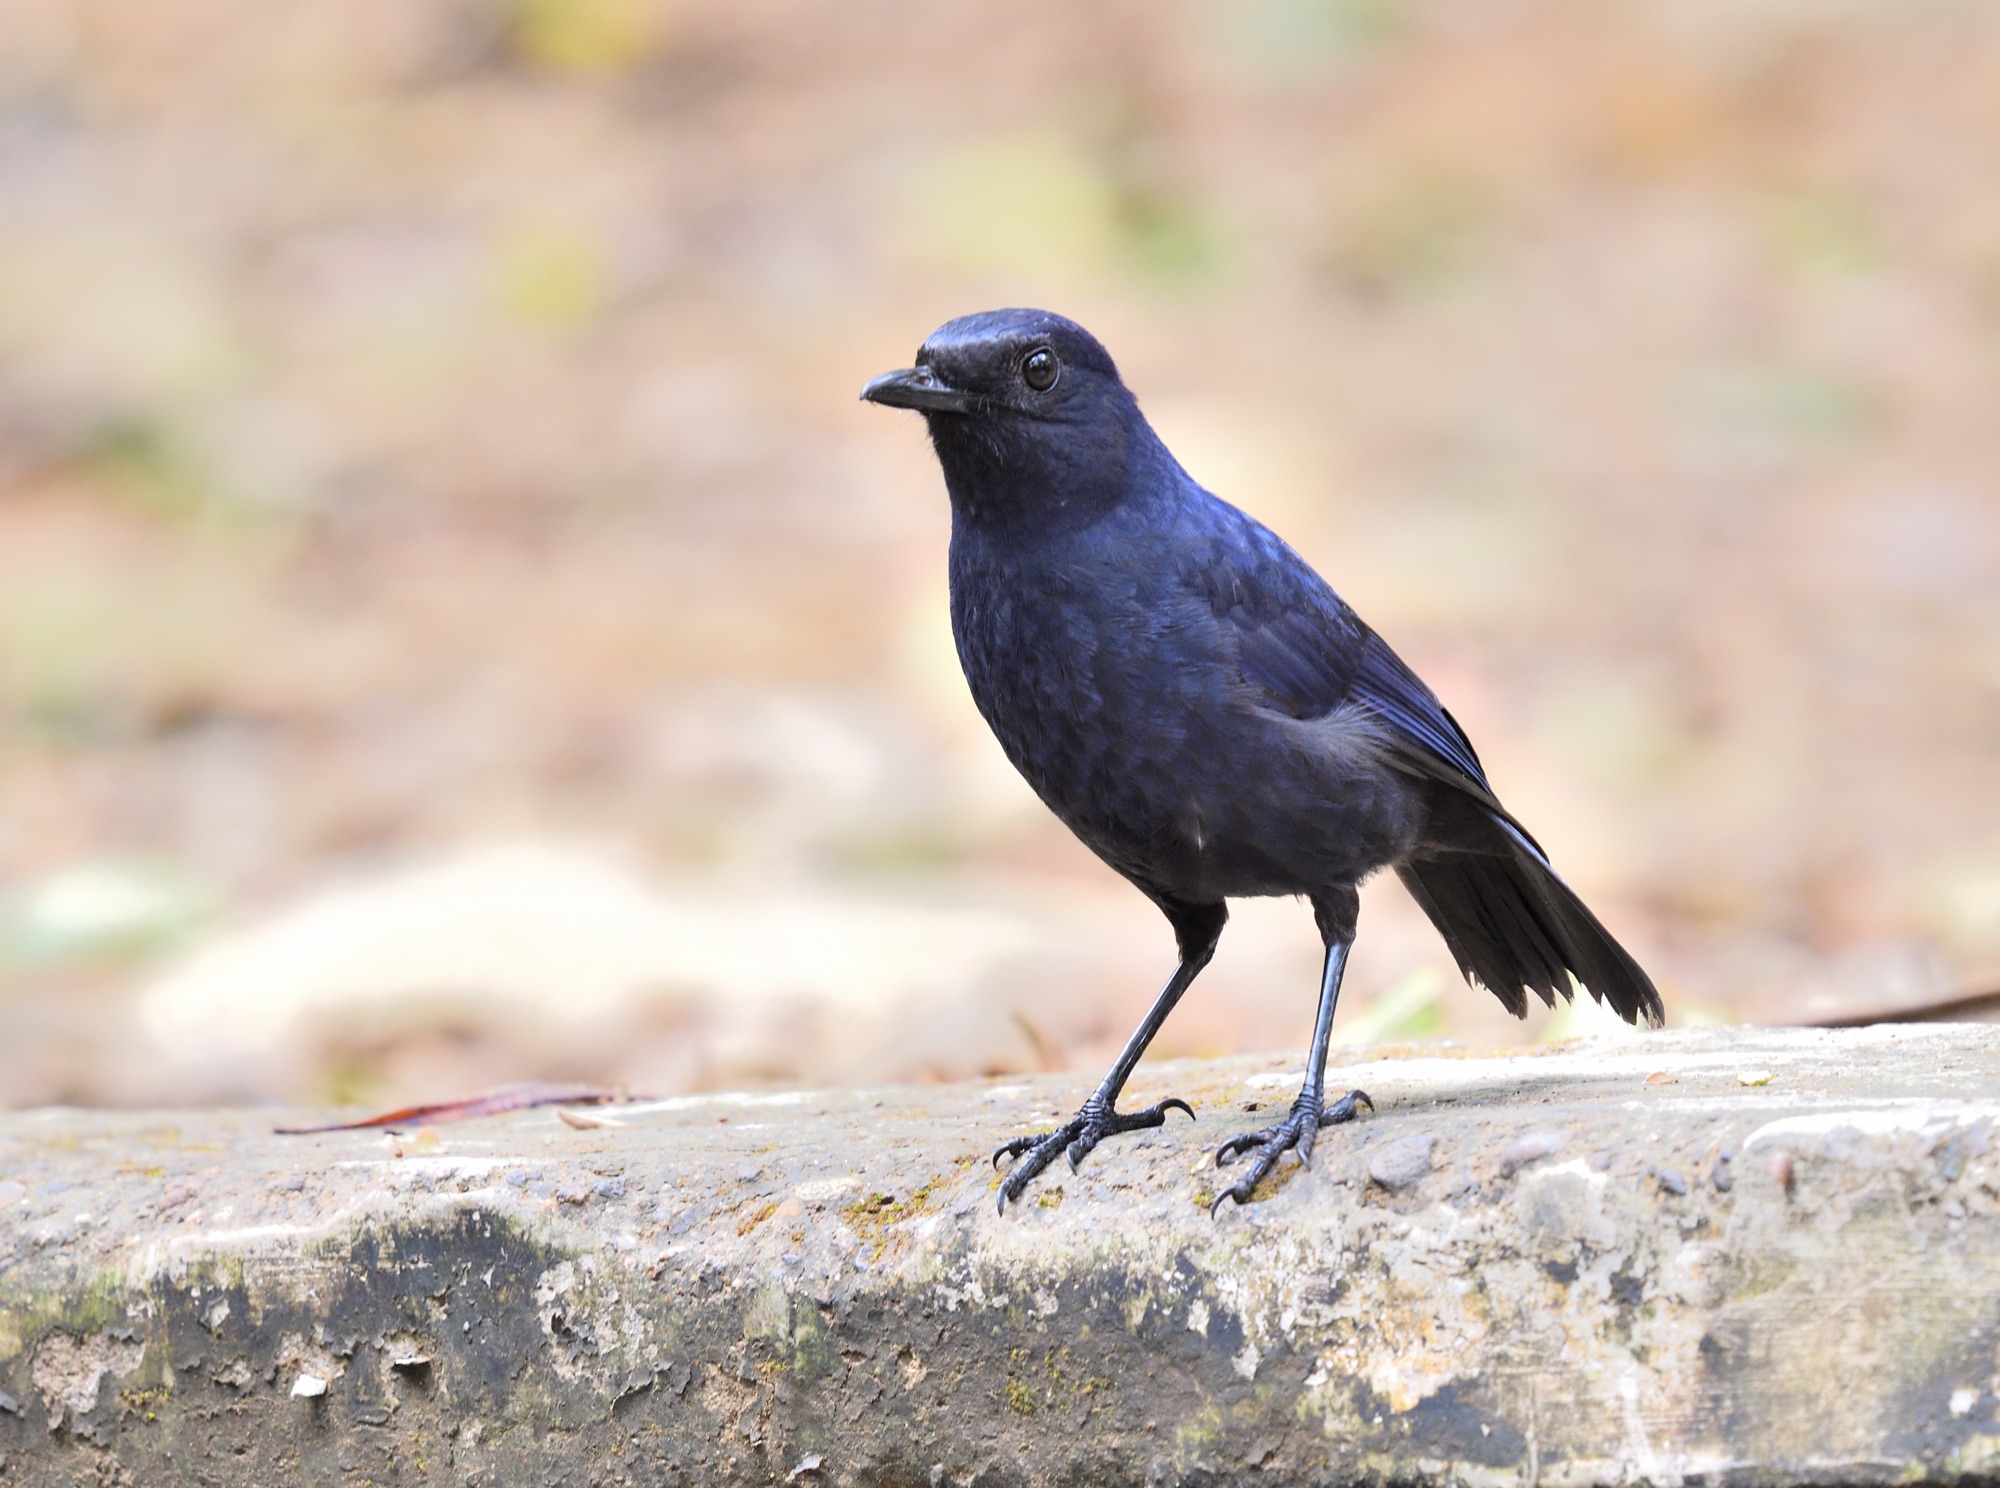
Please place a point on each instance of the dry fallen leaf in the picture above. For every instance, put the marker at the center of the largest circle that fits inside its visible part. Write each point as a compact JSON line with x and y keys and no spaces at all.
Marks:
{"x":586,"y":1120}
{"x":514,"y":1098}
{"x":1781,"y":1169}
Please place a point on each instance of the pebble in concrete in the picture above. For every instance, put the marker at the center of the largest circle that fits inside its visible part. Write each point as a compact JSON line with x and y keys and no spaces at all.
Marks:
{"x":1530,"y":1147}
{"x":1400,"y":1163}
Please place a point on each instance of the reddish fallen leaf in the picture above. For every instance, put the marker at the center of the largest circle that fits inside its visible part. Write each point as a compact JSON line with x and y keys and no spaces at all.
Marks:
{"x":1661,"y":1077}
{"x":514,"y":1098}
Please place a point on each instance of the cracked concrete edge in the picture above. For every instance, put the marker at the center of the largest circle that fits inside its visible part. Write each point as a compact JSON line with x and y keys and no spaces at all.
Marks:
{"x":1619,"y":1262}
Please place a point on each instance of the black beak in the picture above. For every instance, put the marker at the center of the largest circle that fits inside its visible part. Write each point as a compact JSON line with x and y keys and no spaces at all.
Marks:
{"x":918,"y":388}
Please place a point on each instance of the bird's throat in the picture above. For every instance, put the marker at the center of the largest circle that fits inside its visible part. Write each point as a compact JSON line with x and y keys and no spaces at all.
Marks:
{"x":1027,"y":476}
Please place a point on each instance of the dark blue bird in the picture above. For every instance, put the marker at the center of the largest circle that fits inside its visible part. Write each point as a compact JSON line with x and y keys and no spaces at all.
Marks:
{"x":1206,"y":713}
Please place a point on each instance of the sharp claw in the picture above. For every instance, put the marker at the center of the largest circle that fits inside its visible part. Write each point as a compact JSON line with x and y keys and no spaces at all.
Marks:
{"x":1297,"y":1133}
{"x":1090,"y":1124}
{"x":1344,"y":1108}
{"x":1236,"y":1146}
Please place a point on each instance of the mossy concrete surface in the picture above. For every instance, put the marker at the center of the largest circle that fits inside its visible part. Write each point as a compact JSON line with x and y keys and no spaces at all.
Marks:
{"x":1716,"y":1256}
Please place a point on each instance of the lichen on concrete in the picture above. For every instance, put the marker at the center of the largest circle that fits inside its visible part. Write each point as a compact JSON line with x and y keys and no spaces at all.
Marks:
{"x":1587,"y":1278}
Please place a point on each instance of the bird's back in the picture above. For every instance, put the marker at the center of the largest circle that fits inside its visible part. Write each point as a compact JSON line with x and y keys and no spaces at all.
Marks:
{"x":1111,"y":662}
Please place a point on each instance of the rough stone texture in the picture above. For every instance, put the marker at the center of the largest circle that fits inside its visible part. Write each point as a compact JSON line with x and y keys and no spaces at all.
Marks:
{"x":1596,"y":1277}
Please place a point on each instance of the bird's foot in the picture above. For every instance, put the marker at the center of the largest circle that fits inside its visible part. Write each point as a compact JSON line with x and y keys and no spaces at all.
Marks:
{"x":1074,"y":1138}
{"x":1297,"y":1131}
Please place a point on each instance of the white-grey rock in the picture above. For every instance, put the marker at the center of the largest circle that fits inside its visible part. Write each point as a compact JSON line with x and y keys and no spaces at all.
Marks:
{"x":1583,"y":1321}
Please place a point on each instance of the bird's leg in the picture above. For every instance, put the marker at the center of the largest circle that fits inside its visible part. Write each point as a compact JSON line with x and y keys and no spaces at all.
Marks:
{"x":1098,"y":1117}
{"x":1197,"y":927}
{"x":1310,"y":1111}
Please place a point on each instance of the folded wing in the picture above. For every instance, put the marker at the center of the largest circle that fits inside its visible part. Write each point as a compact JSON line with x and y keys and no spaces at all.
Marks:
{"x":1511,"y":923}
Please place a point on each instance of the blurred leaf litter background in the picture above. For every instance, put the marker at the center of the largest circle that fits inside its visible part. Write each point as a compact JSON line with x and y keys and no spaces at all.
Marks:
{"x":456,"y":622}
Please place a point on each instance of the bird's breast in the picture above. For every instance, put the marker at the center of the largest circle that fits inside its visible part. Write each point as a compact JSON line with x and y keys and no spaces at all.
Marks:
{"x":1094,"y":694}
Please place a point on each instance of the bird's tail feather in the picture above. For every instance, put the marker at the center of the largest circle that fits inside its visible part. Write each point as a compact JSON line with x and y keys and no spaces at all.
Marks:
{"x":1515,"y":927}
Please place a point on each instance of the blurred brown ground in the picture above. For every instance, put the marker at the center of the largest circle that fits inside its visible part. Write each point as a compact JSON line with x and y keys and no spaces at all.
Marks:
{"x":430,"y":466}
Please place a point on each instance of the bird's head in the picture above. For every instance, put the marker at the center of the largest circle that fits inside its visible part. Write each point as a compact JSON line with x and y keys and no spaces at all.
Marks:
{"x":1026,"y":411}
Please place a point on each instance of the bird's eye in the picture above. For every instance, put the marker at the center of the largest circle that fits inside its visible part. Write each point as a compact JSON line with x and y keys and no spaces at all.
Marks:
{"x":1040,"y":369}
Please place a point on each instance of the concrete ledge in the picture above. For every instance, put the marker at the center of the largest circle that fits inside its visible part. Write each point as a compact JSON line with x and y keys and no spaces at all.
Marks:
{"x":1546,"y":1268}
